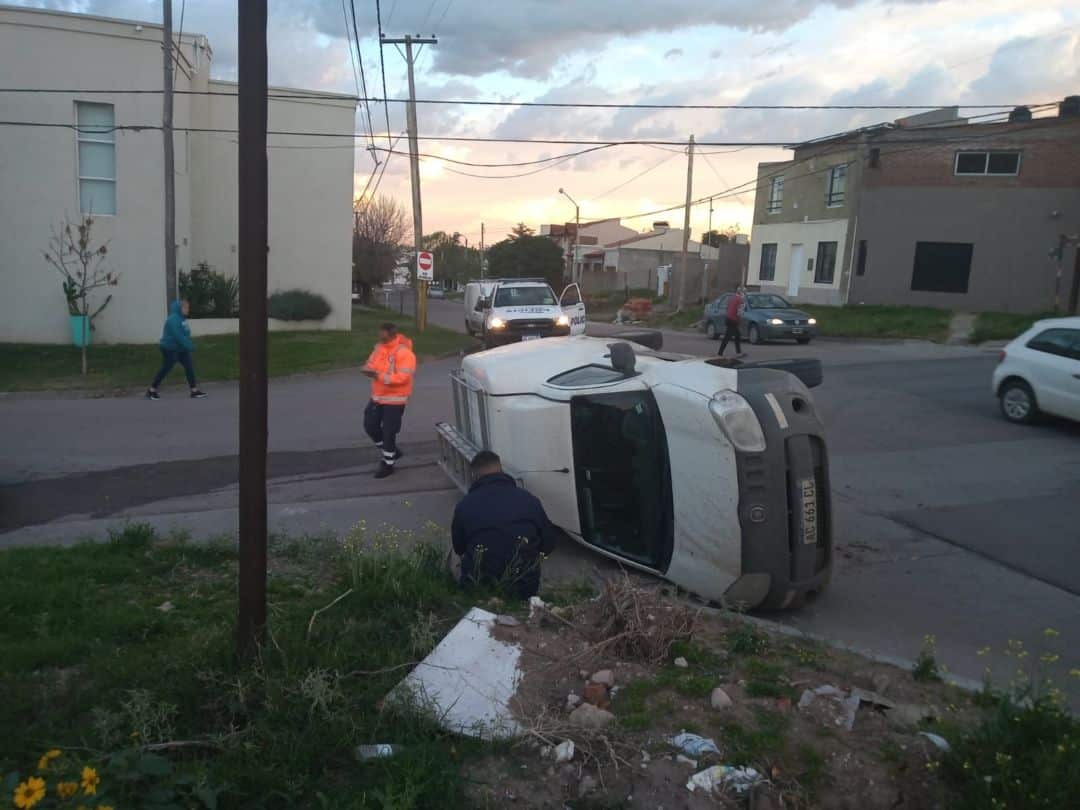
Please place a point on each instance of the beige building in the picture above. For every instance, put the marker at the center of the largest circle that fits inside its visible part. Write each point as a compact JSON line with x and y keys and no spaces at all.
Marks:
{"x":78,"y":163}
{"x":930,"y":210}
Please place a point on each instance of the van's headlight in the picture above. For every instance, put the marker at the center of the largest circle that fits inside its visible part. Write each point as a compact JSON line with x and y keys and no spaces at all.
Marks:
{"x":738,"y":421}
{"x":812,"y":321}
{"x":775,"y":322}
{"x":496,"y":323}
{"x":562,"y":320}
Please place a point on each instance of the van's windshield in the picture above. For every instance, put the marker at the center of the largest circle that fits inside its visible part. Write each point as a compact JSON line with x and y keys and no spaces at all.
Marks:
{"x":524,"y":297}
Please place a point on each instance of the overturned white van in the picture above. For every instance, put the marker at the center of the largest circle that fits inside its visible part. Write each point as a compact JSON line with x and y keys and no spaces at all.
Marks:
{"x":712,"y":476}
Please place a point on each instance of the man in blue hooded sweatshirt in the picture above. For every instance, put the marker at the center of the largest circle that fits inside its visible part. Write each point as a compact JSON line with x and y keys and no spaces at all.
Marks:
{"x":176,"y":346}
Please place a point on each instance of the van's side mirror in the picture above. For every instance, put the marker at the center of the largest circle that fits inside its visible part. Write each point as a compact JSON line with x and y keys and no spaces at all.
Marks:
{"x":482,"y":304}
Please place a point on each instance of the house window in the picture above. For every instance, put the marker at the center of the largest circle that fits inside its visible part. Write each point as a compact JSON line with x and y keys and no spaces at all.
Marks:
{"x":834,"y":190}
{"x":96,"y":141}
{"x":860,"y":262}
{"x":776,"y":195}
{"x":942,"y":267}
{"x":767,"y":270}
{"x":826,"y":263}
{"x":983,"y":163}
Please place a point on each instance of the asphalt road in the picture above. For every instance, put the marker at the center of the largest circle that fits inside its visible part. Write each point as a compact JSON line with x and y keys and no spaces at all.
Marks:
{"x":949,"y":521}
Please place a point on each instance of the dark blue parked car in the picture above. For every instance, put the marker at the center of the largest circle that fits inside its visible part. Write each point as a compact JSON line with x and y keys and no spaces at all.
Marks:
{"x":766,"y":316}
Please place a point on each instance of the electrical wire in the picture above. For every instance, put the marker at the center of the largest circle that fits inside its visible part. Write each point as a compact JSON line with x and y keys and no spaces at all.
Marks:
{"x":352,"y":55}
{"x":463,"y":138}
{"x":551,"y":104}
{"x":363,"y":81}
{"x":382,"y":68}
{"x":632,"y":179}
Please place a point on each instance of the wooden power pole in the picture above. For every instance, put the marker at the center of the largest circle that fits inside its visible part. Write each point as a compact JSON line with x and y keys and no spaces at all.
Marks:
{"x":253,"y":247}
{"x":167,"y":140}
{"x":414,"y":169}
{"x":686,"y":223}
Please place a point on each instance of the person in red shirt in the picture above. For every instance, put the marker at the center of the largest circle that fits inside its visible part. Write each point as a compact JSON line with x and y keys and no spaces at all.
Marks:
{"x":732,"y":316}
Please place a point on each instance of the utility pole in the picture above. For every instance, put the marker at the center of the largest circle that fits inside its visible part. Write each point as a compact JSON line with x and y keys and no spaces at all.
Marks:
{"x":253,"y":245}
{"x":573,"y":248}
{"x":167,"y":140}
{"x":414,"y":169}
{"x":686,"y":223}
{"x":481,"y":251}
{"x":705,"y":265}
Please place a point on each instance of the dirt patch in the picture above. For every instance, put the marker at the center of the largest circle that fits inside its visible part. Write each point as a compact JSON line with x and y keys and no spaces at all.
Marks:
{"x":805,"y":757}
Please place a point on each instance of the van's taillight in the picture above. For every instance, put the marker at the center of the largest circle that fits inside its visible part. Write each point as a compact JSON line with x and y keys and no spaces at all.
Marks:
{"x":1002,"y":355}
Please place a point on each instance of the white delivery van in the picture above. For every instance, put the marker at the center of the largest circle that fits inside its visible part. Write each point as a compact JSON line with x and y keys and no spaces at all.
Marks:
{"x":520,"y":309}
{"x":711,"y":475}
{"x":475,"y":293}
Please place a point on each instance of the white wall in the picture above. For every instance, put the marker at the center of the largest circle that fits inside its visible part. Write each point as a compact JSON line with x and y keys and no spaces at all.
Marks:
{"x":38,"y":172}
{"x":310,"y":189}
{"x":786,"y":234}
{"x":310,"y":198}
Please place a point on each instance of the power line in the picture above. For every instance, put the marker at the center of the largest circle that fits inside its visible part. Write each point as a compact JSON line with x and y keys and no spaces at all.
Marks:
{"x":348,"y":41}
{"x":363,"y":81}
{"x":632,"y":179}
{"x":444,"y":13}
{"x":555,"y":104}
{"x":382,"y":67}
{"x":781,"y":144}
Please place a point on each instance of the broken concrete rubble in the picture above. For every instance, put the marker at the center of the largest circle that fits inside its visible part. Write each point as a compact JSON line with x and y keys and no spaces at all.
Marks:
{"x":590,"y":717}
{"x":603,"y":676}
{"x":467,"y":681}
{"x":596,"y":694}
{"x":720,"y":699}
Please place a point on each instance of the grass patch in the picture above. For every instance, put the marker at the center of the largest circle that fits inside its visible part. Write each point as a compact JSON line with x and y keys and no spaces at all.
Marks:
{"x":91,"y":665}
{"x":1003,"y":325}
{"x":686,"y":319}
{"x":749,"y":746}
{"x":1024,"y":754}
{"x":767,"y":679}
{"x":36,"y":366}
{"x":863,"y":321}
{"x":745,"y":639}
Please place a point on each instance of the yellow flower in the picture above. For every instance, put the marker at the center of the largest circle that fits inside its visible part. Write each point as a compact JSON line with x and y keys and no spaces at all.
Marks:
{"x":46,"y":758}
{"x":29,"y":793}
{"x":105,"y":807}
{"x":1050,"y":632}
{"x":90,"y":781}
{"x":67,"y":789}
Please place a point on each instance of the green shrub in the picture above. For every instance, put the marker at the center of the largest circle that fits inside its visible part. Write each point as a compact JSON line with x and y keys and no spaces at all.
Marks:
{"x":298,"y":305}
{"x":211,"y":294}
{"x":1024,"y":754}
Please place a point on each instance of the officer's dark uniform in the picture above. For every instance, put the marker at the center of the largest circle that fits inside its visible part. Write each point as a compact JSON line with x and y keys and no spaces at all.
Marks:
{"x":500,"y":531}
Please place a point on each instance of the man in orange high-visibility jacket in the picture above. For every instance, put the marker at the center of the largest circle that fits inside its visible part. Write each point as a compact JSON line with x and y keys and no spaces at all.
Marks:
{"x":391,"y":367}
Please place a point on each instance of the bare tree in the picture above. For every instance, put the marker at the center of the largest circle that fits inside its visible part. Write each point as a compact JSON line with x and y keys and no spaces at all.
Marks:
{"x":380,"y":230}
{"x":72,"y":253}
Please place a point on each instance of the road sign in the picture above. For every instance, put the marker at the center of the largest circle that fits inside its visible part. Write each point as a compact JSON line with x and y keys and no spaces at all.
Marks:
{"x":425,"y":266}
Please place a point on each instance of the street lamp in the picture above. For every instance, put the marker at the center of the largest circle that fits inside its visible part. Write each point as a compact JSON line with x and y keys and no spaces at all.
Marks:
{"x":577,"y":227}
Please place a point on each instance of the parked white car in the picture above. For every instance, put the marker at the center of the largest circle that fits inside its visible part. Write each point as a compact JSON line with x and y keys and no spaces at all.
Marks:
{"x":1039,"y":372}
{"x":709,"y":474}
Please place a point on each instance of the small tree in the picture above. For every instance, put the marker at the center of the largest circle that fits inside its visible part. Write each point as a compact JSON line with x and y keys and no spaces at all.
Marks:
{"x":380,"y":228}
{"x":71,"y":251}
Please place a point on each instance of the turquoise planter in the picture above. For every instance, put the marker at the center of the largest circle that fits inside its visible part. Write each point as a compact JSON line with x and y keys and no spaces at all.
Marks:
{"x":80,"y":330}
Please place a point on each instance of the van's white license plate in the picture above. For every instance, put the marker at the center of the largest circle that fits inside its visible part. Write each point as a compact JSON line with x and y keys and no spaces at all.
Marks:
{"x":808,"y":490}
{"x":530,"y":337}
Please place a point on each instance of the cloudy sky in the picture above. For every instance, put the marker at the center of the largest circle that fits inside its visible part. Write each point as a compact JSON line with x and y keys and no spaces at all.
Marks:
{"x":919,"y":52}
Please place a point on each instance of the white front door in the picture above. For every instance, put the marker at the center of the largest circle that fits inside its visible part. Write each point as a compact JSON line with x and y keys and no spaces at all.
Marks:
{"x":798,"y":259}
{"x":574,"y":308}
